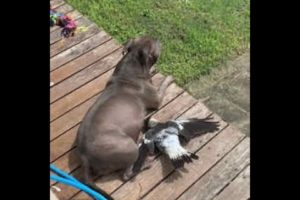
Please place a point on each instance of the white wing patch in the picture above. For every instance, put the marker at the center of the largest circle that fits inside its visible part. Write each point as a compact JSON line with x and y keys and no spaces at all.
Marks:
{"x":180,"y":122}
{"x":146,"y":141}
{"x":173,"y":148}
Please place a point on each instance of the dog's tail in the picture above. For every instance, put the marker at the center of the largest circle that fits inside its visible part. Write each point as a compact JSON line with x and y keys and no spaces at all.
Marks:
{"x":87,"y":179}
{"x":99,"y":190}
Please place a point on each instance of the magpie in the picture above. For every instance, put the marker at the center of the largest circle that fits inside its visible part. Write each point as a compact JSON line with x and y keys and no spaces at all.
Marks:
{"x":168,"y":138}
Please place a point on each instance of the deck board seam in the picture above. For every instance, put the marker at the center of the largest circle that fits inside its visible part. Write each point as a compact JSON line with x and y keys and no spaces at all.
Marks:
{"x":210,"y":168}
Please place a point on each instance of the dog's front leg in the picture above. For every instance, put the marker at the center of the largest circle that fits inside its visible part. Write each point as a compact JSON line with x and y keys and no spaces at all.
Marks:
{"x":163,"y":87}
{"x":153,"y":98}
{"x":143,"y":162}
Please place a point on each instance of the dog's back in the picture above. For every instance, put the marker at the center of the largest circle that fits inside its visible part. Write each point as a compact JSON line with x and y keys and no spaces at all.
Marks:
{"x":108,"y":133}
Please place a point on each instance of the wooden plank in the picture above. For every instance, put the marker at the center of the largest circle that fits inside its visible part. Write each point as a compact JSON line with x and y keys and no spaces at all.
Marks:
{"x":56,"y":3}
{"x":66,"y":43}
{"x":113,"y":182}
{"x":65,"y":8}
{"x":81,"y":21}
{"x":78,"y":49}
{"x":82,"y":196}
{"x":69,"y":120}
{"x":63,"y":144}
{"x":178,"y":107}
{"x":82,"y":62}
{"x":73,"y":86}
{"x":162,"y":167}
{"x":209,"y":155}
{"x":199,"y":110}
{"x":238,"y":189}
{"x":220,"y":175}
{"x":75,"y":98}
{"x":59,"y":147}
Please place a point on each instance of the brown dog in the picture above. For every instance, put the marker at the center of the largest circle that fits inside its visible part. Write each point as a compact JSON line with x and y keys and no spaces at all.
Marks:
{"x":107,"y":137}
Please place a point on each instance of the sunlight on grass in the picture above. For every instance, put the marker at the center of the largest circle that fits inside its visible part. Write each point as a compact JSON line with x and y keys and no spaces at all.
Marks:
{"x":196,"y":35}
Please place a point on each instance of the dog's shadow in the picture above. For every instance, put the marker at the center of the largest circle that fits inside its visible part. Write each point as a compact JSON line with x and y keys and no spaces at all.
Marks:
{"x":76,"y":169}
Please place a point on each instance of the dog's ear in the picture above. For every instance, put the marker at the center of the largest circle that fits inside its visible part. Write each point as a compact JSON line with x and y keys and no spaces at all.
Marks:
{"x":155,"y":52}
{"x":143,"y":57}
{"x":152,"y":54}
{"x":127,"y":46}
{"x":149,"y":56}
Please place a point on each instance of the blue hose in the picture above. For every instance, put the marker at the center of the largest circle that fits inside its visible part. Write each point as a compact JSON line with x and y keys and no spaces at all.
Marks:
{"x":69,"y":180}
{"x":62,"y":173}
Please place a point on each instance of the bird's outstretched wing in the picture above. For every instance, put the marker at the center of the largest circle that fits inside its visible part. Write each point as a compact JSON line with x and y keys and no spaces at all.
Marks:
{"x":190,"y":128}
{"x":165,"y":137}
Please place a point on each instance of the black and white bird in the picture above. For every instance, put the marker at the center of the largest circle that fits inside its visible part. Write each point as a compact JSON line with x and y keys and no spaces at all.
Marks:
{"x":168,"y":138}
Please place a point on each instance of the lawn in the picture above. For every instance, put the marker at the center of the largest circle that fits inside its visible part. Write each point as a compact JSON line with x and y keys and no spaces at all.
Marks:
{"x":196,"y":35}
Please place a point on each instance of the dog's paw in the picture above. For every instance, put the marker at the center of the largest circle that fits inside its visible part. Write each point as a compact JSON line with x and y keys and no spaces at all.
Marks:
{"x":148,"y":163}
{"x":169,"y":80}
{"x":152,"y":122}
{"x":152,"y":70}
{"x":124,"y":51}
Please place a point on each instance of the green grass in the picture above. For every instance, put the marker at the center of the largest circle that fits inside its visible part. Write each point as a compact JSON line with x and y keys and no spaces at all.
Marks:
{"x":196,"y":35}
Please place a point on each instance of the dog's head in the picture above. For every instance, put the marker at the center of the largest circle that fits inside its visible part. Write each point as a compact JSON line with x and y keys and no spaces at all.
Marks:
{"x":146,"y":49}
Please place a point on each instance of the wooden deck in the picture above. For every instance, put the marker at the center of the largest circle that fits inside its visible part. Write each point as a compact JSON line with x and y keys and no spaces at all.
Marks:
{"x":80,"y":68}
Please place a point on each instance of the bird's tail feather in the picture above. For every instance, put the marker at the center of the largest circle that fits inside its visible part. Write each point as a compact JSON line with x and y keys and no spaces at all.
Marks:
{"x":185,"y":158}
